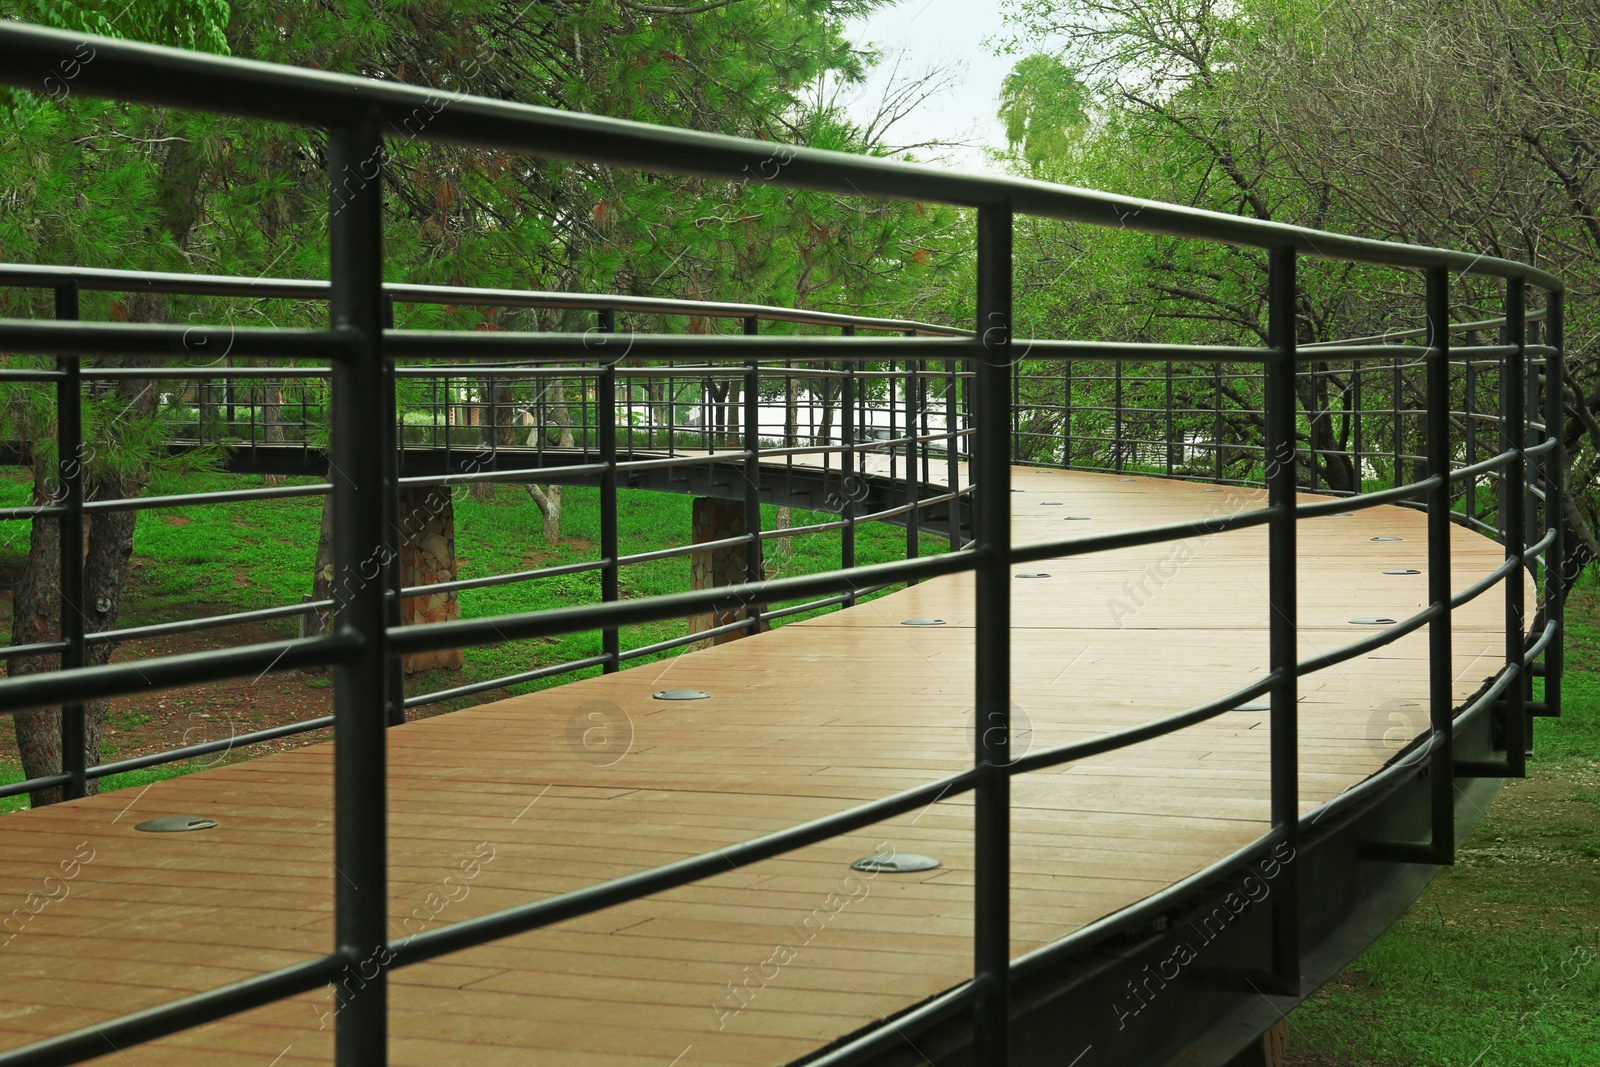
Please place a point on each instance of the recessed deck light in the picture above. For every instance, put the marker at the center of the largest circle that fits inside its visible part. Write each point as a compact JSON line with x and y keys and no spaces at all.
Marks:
{"x":175,"y":824}
{"x":681,"y":694}
{"x":895,"y":863}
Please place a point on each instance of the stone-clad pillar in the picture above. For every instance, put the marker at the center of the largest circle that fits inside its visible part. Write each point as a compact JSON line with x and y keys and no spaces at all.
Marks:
{"x":714,"y":520}
{"x":428,"y":556}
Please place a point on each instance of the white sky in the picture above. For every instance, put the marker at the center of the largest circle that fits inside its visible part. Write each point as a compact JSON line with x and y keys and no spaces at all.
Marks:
{"x":937,"y":31}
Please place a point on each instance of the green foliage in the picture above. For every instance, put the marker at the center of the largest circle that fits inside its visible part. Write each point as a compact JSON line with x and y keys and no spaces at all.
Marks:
{"x":1045,"y":108}
{"x":198,"y":25}
{"x":151,"y":189}
{"x":1395,"y":122}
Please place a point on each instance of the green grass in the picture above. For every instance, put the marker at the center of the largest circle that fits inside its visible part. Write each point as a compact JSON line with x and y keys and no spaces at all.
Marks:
{"x":1497,"y":964}
{"x":240,"y":556}
{"x":11,"y":771}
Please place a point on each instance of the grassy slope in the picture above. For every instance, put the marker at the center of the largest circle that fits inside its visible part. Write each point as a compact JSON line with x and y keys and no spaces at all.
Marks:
{"x":1497,"y":964}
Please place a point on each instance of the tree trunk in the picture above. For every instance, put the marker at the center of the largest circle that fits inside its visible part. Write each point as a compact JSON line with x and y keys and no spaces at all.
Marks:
{"x":35,"y":616}
{"x":271,"y":409}
{"x":658,"y":408}
{"x":36,"y":601}
{"x":322,"y":575}
{"x":105,"y":572}
{"x":1331,"y":464}
{"x":505,"y":416}
{"x":716,"y":410}
{"x":830,"y":393}
{"x":733,"y":423}
{"x":208,"y":407}
{"x":785,"y":517}
{"x":498,"y":430}
{"x":548,"y":499}
{"x":560,"y":415}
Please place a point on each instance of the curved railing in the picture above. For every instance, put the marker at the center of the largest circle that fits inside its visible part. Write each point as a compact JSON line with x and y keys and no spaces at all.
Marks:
{"x":363,"y":357}
{"x":460,"y":417}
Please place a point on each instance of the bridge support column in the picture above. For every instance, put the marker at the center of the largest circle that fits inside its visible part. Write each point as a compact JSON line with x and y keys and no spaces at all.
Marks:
{"x":1267,"y":1050}
{"x":427,"y":557}
{"x":717,"y":520}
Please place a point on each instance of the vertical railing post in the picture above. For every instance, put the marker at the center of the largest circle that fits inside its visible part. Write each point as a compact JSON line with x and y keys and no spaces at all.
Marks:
{"x":68,"y":494}
{"x":848,"y":479}
{"x":672,"y":414}
{"x":889,"y":386}
{"x":791,"y":421}
{"x":1441,"y":672}
{"x":627,"y":414}
{"x":1397,"y":385}
{"x":1513,"y":490}
{"x":991,"y":470}
{"x":305,"y":420}
{"x":754,"y":561}
{"x":968,"y":396}
{"x":589,"y":437}
{"x":922,"y":427}
{"x":708,"y":411}
{"x":1469,"y":413}
{"x":1117,"y":420}
{"x":1314,"y":429}
{"x":1280,"y":412}
{"x":951,"y":465}
{"x":1355,"y":430}
{"x":863,"y":392}
{"x":394,"y":576}
{"x":606,"y":416}
{"x":1016,"y":417}
{"x":913,"y":484}
{"x":1066,"y":414}
{"x":361,"y":439}
{"x":1555,"y":490}
{"x":451,"y":413}
{"x":1216,"y":422}
{"x":1533,"y":471}
{"x":492,"y":407}
{"x":1171,"y":429}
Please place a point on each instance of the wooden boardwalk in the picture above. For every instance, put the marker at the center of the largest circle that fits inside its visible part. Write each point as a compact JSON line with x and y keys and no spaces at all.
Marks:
{"x":516,"y":800}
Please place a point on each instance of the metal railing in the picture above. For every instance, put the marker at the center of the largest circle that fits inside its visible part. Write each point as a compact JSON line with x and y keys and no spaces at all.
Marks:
{"x":461,"y":419}
{"x":362,"y":355}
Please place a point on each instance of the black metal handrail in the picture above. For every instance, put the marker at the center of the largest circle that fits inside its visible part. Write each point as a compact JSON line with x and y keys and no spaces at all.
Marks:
{"x":362,"y":650}
{"x":586,"y":378}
